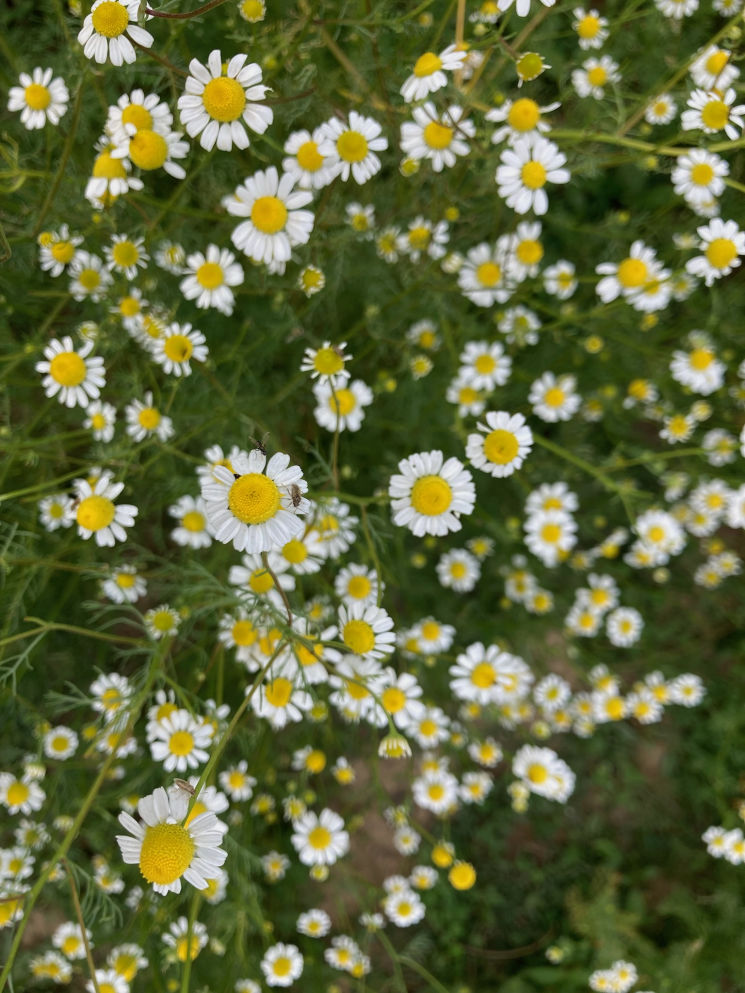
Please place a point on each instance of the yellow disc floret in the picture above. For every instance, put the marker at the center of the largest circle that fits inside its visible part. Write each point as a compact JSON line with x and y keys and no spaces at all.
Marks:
{"x":254,"y":498}
{"x":95,"y":512}
{"x":224,"y":99}
{"x":167,"y":851}
{"x":431,"y":495}
{"x":110,"y":19}
{"x":268,"y":215}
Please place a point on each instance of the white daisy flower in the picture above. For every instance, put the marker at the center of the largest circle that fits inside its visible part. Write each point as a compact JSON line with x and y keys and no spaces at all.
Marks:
{"x":89,"y":280}
{"x":60,"y":742}
{"x":237,"y":783}
{"x":429,"y":494}
{"x":304,"y":162}
{"x":279,"y":701}
{"x":39,"y":98}
{"x":518,"y":118}
{"x":54,"y":511}
{"x":522,"y":7}
{"x":210,"y":278}
{"x":341,"y":407}
{"x":713,"y":69}
{"x":661,"y":110}
{"x":560,"y":280}
{"x":320,"y":839}
{"x":594,"y":75}
{"x":471,"y":402}
{"x":441,"y":138}
{"x":699,"y":175}
{"x":177,"y":937}
{"x":161,"y":622}
{"x":543,"y":772}
{"x":327,"y":362}
{"x":591,"y":28}
{"x":124,"y":585}
{"x":69,"y":374}
{"x":424,"y":237}
{"x":256,"y":506}
{"x":458,"y":570}
{"x":282,"y":965}
{"x":314,"y":923}
{"x":351,"y":147}
{"x":95,"y":512}
{"x":125,"y":255}
{"x":149,"y":150}
{"x":192,"y":531}
{"x":144,"y":420}
{"x":550,"y":535}
{"x":553,"y":398}
{"x":111,"y":694}
{"x":68,"y":937}
{"x":713,"y":110}
{"x":23,"y":796}
{"x":216,"y":104}
{"x":110,"y":176}
{"x":525,"y":168}
{"x":429,"y":71}
{"x":488,"y":274}
{"x":275,"y":221}
{"x":502,"y":444}
{"x":484,"y":365}
{"x":722,"y":243}
{"x":698,"y":369}
{"x":135,"y":111}
{"x":167,"y":849}
{"x":57,"y":249}
{"x":624,"y":626}
{"x":366,"y":630}
{"x":179,"y":741}
{"x":177,"y":347}
{"x":100,"y":419}
{"x":109,"y":30}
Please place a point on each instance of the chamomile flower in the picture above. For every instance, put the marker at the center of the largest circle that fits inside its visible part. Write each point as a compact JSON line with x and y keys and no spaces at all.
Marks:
{"x":218,"y":103}
{"x":258,"y":510}
{"x":429,"y":71}
{"x":624,"y":626}
{"x":275,"y":221}
{"x":124,"y":585}
{"x":594,"y":75}
{"x":404,"y":908}
{"x":591,"y":28}
{"x":125,"y":255}
{"x":525,"y":168}
{"x":424,"y":237}
{"x":518,"y":118}
{"x":314,"y":923}
{"x":68,"y":937}
{"x":179,"y":741}
{"x":57,"y":249}
{"x":341,"y":405}
{"x":237,"y":783}
{"x":488,"y":275}
{"x":20,"y":795}
{"x":699,"y":175}
{"x":149,"y":150}
{"x":135,"y":111}
{"x":282,"y":965}
{"x":161,"y":622}
{"x":111,"y":176}
{"x":553,"y":398}
{"x":320,"y":839}
{"x":167,"y":847}
{"x":366,"y":630}
{"x":722,"y":244}
{"x":501,"y":445}
{"x":280,"y":701}
{"x":550,"y":535}
{"x":177,"y":347}
{"x":713,"y":69}
{"x":351,"y":147}
{"x":698,"y":369}
{"x":171,"y":257}
{"x":471,"y":402}
{"x":39,"y":98}
{"x":441,"y":138}
{"x":111,"y":695}
{"x":484,"y":365}
{"x":357,"y":584}
{"x":661,"y":110}
{"x":458,"y":570}
{"x":100,"y":419}
{"x":711,"y":111}
{"x":560,"y":280}
{"x":304,"y":162}
{"x":96,"y":514}
{"x":210,"y":277}
{"x":54,"y":511}
{"x":327,"y":362}
{"x":145,"y":420}
{"x":88,"y":278}
{"x":109,"y":30}
{"x":192,"y":530}
{"x":429,"y":494}
{"x":60,"y":743}
{"x":544,"y":773}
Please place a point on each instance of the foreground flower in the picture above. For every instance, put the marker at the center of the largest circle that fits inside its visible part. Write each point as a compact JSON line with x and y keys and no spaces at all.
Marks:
{"x":351,"y":148}
{"x":275,"y":221}
{"x":722,"y":243}
{"x":429,"y":73}
{"x":39,"y":98}
{"x":69,"y":374}
{"x":210,"y":278}
{"x":109,"y":30}
{"x":525,"y":169}
{"x":177,"y":346}
{"x":165,"y":849}
{"x":320,"y":839}
{"x":216,"y":104}
{"x":438,"y":138}
{"x":95,"y":512}
{"x":429,"y":494}
{"x":256,"y":506}
{"x":502,"y":444}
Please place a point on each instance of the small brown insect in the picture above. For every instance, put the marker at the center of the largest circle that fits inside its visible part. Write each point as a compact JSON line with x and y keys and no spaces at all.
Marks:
{"x":261,"y":445}
{"x":186,"y":787}
{"x":295,"y":495}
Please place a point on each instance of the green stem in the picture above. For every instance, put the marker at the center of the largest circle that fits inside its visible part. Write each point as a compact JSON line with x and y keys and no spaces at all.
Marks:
{"x":61,"y":169}
{"x":587,"y":467}
{"x":386,"y":943}
{"x":184,"y":16}
{"x":434,"y":983}
{"x":81,"y":922}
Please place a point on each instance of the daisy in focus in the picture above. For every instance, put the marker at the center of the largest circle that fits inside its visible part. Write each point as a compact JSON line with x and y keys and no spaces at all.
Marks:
{"x":429,"y":71}
{"x":429,"y":494}
{"x":275,"y":221}
{"x":525,"y":169}
{"x":439,"y":138}
{"x":95,"y":512}
{"x":39,"y":98}
{"x":351,"y":147}
{"x":218,"y":103}
{"x":69,"y":374}
{"x":501,"y":445}
{"x":109,"y":30}
{"x":210,"y":278}
{"x":177,"y":346}
{"x":167,"y":850}
{"x":256,"y":506}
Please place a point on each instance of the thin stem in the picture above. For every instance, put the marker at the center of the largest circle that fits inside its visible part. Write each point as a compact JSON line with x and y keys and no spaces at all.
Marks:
{"x":186,"y":15}
{"x":385,"y":941}
{"x":66,"y":150}
{"x":285,"y":601}
{"x":117,"y":639}
{"x":81,"y":922}
{"x":412,"y":964}
{"x":587,"y":467}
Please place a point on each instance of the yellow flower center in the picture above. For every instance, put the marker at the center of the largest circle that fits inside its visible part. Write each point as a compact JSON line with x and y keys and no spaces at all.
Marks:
{"x":67,"y":368}
{"x":224,"y":99}
{"x":715,"y":114}
{"x":419,"y":238}
{"x":269,"y":215}
{"x":182,"y":949}
{"x":358,"y":636}
{"x":529,"y":66}
{"x":70,"y":945}
{"x":533,"y":175}
{"x":243,"y":633}
{"x":437,"y":135}
{"x":89,"y":279}
{"x":529,"y":252}
{"x":435,"y":791}
{"x":614,"y":708}
{"x":327,"y":361}
{"x":167,"y":851}
{"x":95,"y":513}
{"x":716,"y":62}
{"x":319,"y":838}
{"x":193,"y":521}
{"x":110,"y":19}
{"x":462,"y":876}
{"x":537,"y":773}
{"x":148,"y":149}
{"x":597,"y":76}
{"x":129,"y":306}
{"x":37,"y":96}
{"x":254,"y":498}
{"x":149,"y":418}
{"x":210,"y":275}
{"x":342,"y":402}
{"x":501,"y":446}
{"x":136,"y":114}
{"x":430,"y":630}
{"x":253,"y":10}
{"x":352,"y":146}
{"x":431,"y":495}
{"x":701,"y":358}
{"x":488,"y":273}
{"x":427,"y":64}
{"x":60,"y":743}
{"x":308,"y":157}
{"x":295,"y":551}
{"x":483,"y":675}
{"x":278,"y":692}
{"x":181,"y":743}
{"x":261,"y":581}
{"x":656,"y":534}
{"x":359,"y":587}
{"x":589,"y":26}
{"x":467,"y":395}
{"x":178,"y":348}
{"x":62,"y":251}
{"x":125,"y":253}
{"x":105,"y":167}
{"x":551,"y":533}
{"x":632,"y":273}
{"x":524,"y":114}
{"x":702,"y":174}
{"x":458,"y":570}
{"x":428,"y":727}
{"x":484,"y":364}
{"x":554,"y":397}
{"x":281,"y":966}
{"x":17,"y":794}
{"x":721,"y":252}
{"x":125,"y":580}
{"x":393,"y":700}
